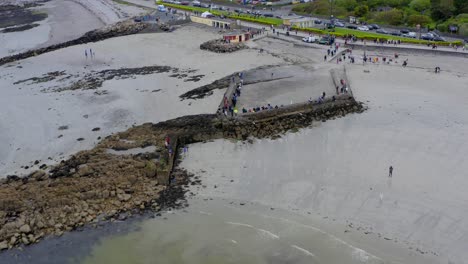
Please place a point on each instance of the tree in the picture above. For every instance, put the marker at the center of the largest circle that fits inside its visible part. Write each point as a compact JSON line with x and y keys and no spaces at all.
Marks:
{"x":442,"y":9}
{"x":361,"y":10}
{"x":461,"y":6}
{"x":349,"y":5}
{"x":419,"y":19}
{"x":392,"y":17}
{"x":420,"y":5}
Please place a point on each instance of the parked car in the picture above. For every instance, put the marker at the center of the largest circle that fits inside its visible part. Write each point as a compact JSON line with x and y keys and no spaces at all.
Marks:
{"x":363,"y":28}
{"x":427,"y":37}
{"x":373,"y":26}
{"x":309,"y":39}
{"x":352,"y":26}
{"x":395,"y":33}
{"x":268,"y":15}
{"x":326,"y":40}
{"x":404,"y":31}
{"x":205,"y":5}
{"x":196,"y":3}
{"x":338,"y":24}
{"x":317,"y":21}
{"x":410,"y":35}
{"x":438,"y":38}
{"x":382,"y":31}
{"x":161,"y":8}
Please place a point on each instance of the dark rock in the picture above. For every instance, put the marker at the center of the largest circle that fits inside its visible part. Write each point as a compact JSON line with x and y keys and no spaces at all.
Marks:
{"x":220,"y":46}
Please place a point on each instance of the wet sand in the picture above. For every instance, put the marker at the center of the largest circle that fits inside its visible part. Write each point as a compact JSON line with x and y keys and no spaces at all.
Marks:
{"x":67,"y":20}
{"x":336,"y":171}
{"x":416,"y":122}
{"x":122,"y":103}
{"x":288,"y":85}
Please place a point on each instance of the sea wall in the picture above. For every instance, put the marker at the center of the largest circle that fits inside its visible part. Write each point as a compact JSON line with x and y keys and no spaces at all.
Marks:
{"x":409,"y":50}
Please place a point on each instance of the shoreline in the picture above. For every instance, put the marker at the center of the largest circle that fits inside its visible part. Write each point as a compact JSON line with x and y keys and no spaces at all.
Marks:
{"x":135,"y":174}
{"x":206,"y":127}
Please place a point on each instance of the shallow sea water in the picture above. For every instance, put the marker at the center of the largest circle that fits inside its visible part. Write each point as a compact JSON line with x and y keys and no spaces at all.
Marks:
{"x":215,"y":232}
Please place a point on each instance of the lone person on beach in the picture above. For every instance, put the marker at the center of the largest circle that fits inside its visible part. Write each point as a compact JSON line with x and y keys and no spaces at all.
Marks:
{"x":390,"y":171}
{"x":86,"y":54}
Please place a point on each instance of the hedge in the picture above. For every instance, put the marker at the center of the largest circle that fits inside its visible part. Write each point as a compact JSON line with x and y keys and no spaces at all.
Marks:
{"x":342,"y":32}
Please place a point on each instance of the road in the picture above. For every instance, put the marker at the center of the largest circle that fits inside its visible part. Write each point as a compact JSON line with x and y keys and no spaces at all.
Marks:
{"x":282,"y":11}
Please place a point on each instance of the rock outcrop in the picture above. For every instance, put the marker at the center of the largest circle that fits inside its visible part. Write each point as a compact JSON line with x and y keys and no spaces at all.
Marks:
{"x":220,"y":46}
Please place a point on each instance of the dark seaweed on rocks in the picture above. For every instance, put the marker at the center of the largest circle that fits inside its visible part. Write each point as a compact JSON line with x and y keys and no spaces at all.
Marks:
{"x":207,"y":90}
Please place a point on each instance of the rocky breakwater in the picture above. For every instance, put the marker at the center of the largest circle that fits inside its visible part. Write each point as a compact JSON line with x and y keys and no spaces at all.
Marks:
{"x":221,"y":46}
{"x":126,"y":173}
{"x":109,"y":182}
{"x":122,"y":28}
{"x":273,"y":123}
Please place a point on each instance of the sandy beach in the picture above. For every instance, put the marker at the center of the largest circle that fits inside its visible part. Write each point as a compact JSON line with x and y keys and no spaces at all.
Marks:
{"x":327,"y":182}
{"x":67,"y":20}
{"x":339,"y":169}
{"x":116,"y":110}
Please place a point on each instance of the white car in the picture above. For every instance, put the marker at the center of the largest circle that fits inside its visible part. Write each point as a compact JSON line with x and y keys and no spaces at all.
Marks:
{"x":410,"y":35}
{"x":363,"y":28}
{"x":309,"y":39}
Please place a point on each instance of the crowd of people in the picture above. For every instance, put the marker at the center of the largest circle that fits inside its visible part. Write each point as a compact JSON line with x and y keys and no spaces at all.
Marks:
{"x":230,"y":106}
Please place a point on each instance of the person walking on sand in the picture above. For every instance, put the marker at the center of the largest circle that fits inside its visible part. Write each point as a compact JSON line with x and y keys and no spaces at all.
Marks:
{"x":390,"y":171}
{"x":86,"y":54}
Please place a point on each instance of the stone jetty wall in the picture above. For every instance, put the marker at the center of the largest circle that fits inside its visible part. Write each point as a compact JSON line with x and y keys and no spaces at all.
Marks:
{"x":409,"y":50}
